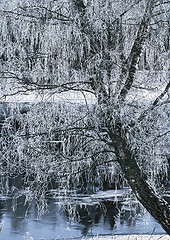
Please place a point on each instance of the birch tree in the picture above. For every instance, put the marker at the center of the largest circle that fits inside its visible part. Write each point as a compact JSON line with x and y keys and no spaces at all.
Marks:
{"x":115,"y":51}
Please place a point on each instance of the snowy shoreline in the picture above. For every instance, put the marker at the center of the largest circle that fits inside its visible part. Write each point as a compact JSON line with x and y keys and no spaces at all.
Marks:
{"x":133,"y":237}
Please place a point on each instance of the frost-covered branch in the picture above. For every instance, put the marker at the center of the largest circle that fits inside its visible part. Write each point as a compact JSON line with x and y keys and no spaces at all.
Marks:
{"x":155,"y":103}
{"x":133,"y":59}
{"x":39,"y":13}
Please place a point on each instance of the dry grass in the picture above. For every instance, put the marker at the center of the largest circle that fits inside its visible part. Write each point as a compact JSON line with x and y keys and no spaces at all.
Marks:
{"x":134,"y":237}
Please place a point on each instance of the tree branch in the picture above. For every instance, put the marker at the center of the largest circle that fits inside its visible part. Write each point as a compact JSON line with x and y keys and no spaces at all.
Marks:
{"x":133,"y":59}
{"x":155,"y":103}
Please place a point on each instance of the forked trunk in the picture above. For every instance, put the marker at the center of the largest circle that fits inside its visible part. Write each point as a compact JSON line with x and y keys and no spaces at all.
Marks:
{"x":146,"y":195}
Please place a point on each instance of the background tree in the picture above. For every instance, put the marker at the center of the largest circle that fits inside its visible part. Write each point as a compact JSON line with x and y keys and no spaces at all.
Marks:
{"x":118,"y":53}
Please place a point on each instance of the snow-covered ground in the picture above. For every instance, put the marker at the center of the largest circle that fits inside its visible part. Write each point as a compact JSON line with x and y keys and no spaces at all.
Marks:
{"x":135,"y":237}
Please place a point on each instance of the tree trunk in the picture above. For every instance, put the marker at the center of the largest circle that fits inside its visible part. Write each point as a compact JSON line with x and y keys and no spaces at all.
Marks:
{"x":155,"y":205}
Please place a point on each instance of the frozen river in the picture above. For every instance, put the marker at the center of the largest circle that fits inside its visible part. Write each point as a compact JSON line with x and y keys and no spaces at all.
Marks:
{"x":20,"y":222}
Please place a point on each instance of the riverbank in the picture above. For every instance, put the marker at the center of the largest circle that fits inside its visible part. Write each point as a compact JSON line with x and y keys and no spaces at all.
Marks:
{"x":134,"y":237}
